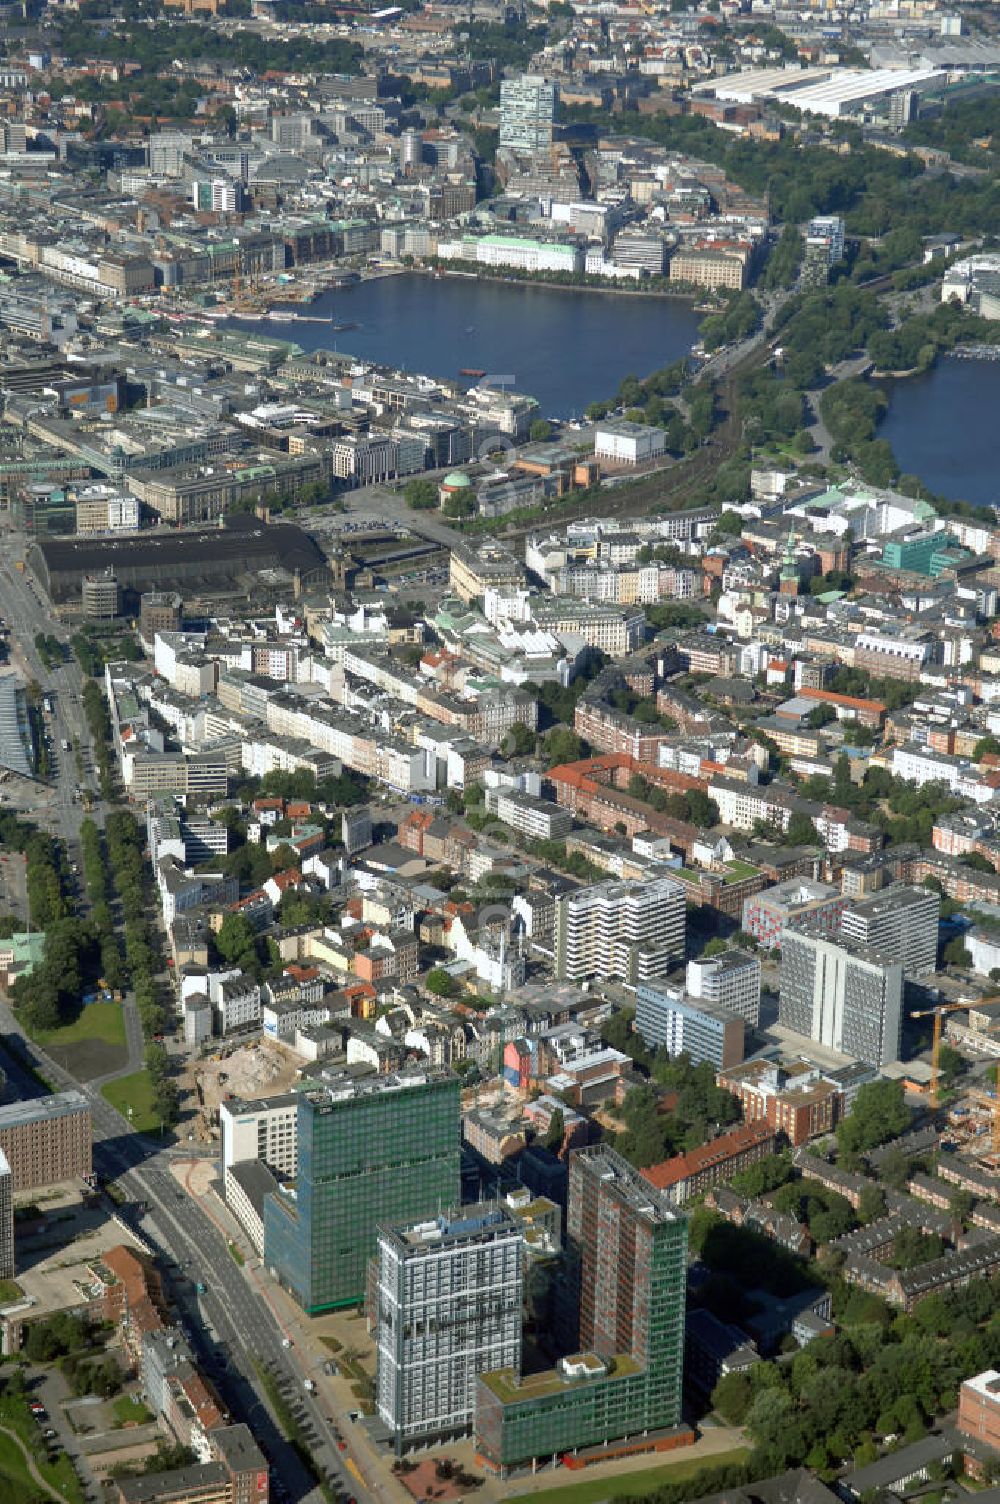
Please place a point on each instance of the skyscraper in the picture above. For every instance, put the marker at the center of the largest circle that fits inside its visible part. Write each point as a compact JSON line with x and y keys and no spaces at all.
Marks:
{"x":901,"y":923}
{"x":630,"y":1253}
{"x":372,"y":1149}
{"x":629,"y":930}
{"x":846,"y":996}
{"x":449,"y":1308}
{"x":527,"y":113}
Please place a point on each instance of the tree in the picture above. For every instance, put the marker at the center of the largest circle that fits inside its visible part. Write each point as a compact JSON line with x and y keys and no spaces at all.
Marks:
{"x":955,"y":953}
{"x":880,"y":1113}
{"x":540,"y":431}
{"x":519,"y":741}
{"x":871,"y":1204}
{"x":801,"y":830}
{"x":562,"y":745}
{"x":732,"y":1397}
{"x":985,"y":744}
{"x":950,"y":1063}
{"x":236,"y":940}
{"x":440,"y":983}
{"x":421,"y":495}
{"x":556,"y":1131}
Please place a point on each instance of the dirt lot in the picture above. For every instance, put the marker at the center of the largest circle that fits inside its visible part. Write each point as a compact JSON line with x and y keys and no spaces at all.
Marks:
{"x":254,"y":1070}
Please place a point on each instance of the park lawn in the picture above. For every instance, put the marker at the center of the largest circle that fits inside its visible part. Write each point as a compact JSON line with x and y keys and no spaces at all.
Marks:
{"x":15,"y":1416}
{"x":14,"y":1470}
{"x":134,"y":1091}
{"x":594,"y":1490}
{"x":130,"y":1411}
{"x":101,"y":1021}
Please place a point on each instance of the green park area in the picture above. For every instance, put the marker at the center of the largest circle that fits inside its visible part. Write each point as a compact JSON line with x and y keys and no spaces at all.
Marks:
{"x":134,"y":1092}
{"x":91,"y":1044}
{"x":634,"y":1484}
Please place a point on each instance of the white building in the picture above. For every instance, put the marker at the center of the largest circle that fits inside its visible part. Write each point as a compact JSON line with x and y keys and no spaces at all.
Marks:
{"x":841,"y":995}
{"x":6,"y":1218}
{"x":627,"y":443}
{"x":266,"y":1130}
{"x":731,"y":979}
{"x":632,"y":931}
{"x":449,"y":1308}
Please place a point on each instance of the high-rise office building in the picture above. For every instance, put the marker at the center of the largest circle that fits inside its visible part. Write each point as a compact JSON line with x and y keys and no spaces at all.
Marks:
{"x":449,"y":1307}
{"x":6,"y":1218}
{"x":731,"y":980}
{"x":629,"y":930}
{"x":371,"y":1149}
{"x":902,"y":923}
{"x":527,"y":114}
{"x":629,"y":1248}
{"x":47,"y":1139}
{"x":842,"y":995}
{"x":669,"y":1019}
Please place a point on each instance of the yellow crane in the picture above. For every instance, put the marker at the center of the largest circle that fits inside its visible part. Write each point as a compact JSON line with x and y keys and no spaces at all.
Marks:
{"x":938,"y":1014}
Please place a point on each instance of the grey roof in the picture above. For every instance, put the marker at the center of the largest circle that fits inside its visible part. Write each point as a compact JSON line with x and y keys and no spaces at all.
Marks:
{"x":152,"y":1488}
{"x":891,"y":1469}
{"x":255,"y":1180}
{"x":15,"y":731}
{"x":42,"y":1109}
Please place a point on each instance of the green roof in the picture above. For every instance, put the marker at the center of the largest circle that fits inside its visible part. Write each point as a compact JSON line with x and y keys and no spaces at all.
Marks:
{"x":510,"y":1390}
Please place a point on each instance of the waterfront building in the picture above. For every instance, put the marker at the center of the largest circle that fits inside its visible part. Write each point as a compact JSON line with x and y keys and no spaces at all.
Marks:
{"x":527,"y":114}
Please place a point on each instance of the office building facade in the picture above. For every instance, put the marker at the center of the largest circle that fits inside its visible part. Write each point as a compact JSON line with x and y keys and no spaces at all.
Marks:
{"x":841,"y":995}
{"x":47,"y":1140}
{"x":730,"y":980}
{"x":668,"y":1019}
{"x":630,"y":1250}
{"x":371,"y":1149}
{"x":631,"y":931}
{"x":449,"y":1307}
{"x":902,"y":924}
{"x":6,"y":1218}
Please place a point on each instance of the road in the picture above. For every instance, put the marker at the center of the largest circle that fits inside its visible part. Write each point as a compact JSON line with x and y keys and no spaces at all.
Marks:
{"x":27,"y":613}
{"x":244,"y":1329}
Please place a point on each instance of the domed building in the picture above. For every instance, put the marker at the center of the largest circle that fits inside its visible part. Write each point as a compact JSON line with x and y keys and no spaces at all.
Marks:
{"x":455,"y":483}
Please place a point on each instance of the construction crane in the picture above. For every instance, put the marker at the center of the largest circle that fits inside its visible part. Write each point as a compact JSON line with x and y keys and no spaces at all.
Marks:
{"x":938,"y":1013}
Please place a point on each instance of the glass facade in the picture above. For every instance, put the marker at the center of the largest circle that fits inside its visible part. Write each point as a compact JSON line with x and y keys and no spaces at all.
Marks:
{"x":371,"y":1149}
{"x":632,"y":1262}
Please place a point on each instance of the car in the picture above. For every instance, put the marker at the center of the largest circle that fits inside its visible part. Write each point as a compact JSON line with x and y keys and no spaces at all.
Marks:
{"x":286,"y":1341}
{"x":49,"y":1434}
{"x":342,"y":1445}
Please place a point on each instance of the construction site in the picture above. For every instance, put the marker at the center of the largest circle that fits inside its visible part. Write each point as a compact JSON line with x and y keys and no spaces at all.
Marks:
{"x":256,"y":1069}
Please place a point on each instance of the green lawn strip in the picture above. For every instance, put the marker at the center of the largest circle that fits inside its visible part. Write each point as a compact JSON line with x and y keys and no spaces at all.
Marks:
{"x":134,"y":1091}
{"x":103,"y":1021}
{"x":16,"y":1417}
{"x":594,"y":1490}
{"x":130,"y":1411}
{"x":237,"y":1254}
{"x":13,"y":1467}
{"x":10,"y":1291}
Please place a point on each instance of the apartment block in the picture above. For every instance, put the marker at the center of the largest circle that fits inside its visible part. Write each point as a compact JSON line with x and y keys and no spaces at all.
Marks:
{"x":766,"y":914}
{"x":632,"y":931}
{"x":669,"y":1020}
{"x":730,"y":980}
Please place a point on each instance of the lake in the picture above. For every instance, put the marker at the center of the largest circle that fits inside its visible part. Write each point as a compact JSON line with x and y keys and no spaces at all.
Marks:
{"x":566,"y":347}
{"x":943,"y":428}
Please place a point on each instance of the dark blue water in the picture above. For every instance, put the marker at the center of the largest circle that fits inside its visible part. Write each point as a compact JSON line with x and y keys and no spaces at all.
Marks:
{"x":565,"y":347}
{"x":943,"y":428}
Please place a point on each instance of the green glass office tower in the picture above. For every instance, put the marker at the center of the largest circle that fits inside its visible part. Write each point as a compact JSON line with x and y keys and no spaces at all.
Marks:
{"x":371,"y":1149}
{"x":625,"y":1381}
